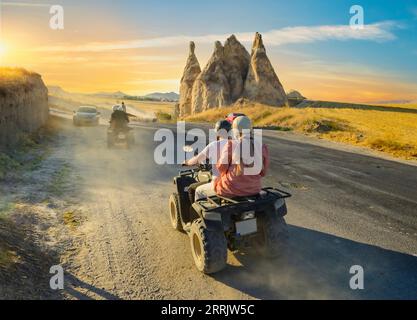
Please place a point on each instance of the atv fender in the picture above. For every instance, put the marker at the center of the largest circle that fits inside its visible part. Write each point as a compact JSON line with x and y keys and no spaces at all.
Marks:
{"x":211,"y":220}
{"x":277,"y":210}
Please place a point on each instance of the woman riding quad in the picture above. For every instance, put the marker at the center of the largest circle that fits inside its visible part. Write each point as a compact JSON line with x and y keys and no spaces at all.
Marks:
{"x":241,"y":173}
{"x":212,"y":153}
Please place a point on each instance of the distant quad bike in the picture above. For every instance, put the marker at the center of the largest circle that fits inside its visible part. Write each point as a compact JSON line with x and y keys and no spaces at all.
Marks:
{"x":120,"y":136}
{"x":217,"y":223}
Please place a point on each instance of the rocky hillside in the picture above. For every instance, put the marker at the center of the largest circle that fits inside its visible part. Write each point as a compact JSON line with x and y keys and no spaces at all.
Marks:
{"x":230,"y":74}
{"x":23,"y":103}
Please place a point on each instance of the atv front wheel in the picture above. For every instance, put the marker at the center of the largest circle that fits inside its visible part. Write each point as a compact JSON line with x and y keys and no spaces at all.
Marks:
{"x":174,"y":213}
{"x":273,"y":239}
{"x":209,"y":248}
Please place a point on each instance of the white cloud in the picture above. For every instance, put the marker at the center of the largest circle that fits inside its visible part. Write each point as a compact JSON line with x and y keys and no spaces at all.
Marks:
{"x":24,"y":4}
{"x":377,"y":32}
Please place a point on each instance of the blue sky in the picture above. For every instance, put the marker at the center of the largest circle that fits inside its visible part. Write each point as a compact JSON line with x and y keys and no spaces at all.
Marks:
{"x":309,"y":43}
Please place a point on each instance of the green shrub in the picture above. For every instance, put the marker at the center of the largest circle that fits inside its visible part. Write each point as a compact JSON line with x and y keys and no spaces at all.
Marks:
{"x":163,"y":116}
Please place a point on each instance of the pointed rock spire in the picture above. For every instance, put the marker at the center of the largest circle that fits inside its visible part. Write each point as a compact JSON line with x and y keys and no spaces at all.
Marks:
{"x":191,"y":71}
{"x":262,"y":84}
{"x":211,"y":88}
{"x":236,"y":65}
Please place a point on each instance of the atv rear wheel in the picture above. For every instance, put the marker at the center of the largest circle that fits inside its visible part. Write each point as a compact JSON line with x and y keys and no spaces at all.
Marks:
{"x":174,"y":213}
{"x":273,"y":239}
{"x":209,"y":248}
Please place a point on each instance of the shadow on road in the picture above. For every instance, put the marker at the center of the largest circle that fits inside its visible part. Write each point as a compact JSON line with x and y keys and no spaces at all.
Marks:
{"x":78,"y":289}
{"x":317,"y":267}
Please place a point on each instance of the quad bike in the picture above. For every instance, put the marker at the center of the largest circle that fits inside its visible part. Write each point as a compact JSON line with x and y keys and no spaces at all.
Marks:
{"x":216,"y":223}
{"x":120,"y":136}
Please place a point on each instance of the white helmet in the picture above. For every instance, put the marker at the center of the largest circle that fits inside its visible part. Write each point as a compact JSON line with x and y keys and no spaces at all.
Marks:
{"x":117,"y":108}
{"x":242,"y":127}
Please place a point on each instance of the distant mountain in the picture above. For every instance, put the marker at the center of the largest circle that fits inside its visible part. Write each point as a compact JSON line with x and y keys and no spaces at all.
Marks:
{"x":168,"y":96}
{"x":115,"y":95}
{"x":57,"y":91}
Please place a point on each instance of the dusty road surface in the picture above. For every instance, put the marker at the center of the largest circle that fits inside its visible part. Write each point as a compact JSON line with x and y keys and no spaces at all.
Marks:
{"x":347,"y":209}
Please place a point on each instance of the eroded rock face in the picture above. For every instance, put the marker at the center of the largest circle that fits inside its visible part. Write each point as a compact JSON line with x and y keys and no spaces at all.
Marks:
{"x":236,"y":65}
{"x":191,"y":72}
{"x":262,"y":84}
{"x":211,"y":88}
{"x":23,"y":106}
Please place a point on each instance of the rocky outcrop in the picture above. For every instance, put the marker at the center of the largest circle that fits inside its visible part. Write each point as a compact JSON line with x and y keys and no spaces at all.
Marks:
{"x":191,"y":72}
{"x":23,"y":104}
{"x":236,"y":65}
{"x":230,"y":74}
{"x":295,"y":97}
{"x":262,"y":84}
{"x":211,"y":88}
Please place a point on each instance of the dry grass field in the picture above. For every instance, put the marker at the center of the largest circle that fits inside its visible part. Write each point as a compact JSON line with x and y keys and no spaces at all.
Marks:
{"x":391,"y":129}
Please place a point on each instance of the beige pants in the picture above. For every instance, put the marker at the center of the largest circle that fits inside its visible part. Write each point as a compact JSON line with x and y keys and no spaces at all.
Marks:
{"x":204,"y":191}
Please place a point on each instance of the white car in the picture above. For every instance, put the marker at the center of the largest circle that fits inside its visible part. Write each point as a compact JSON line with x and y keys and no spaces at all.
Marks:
{"x":86,"y":115}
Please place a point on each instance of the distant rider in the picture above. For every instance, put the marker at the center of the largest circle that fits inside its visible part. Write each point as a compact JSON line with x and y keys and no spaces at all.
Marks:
{"x":119,"y":117}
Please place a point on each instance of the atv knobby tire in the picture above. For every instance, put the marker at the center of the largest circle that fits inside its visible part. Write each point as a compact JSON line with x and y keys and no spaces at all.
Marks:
{"x":273,"y":239}
{"x":209,"y":248}
{"x":174,"y":213}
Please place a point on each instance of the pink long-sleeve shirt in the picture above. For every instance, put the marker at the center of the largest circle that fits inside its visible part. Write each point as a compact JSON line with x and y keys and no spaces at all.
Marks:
{"x":233,"y":183}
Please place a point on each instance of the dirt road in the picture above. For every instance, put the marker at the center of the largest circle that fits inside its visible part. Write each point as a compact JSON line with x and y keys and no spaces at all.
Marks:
{"x":126,"y":248}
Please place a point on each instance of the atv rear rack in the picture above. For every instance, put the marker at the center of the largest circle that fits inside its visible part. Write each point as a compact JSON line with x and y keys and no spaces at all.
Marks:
{"x":243,"y":203}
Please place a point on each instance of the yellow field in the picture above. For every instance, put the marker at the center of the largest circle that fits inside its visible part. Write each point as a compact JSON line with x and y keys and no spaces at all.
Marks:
{"x":391,"y":129}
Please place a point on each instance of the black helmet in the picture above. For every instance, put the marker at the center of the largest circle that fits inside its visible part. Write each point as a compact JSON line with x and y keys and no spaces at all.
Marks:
{"x":223,"y":125}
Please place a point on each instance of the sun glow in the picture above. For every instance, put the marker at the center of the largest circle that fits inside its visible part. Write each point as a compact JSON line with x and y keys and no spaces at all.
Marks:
{"x":3,"y":50}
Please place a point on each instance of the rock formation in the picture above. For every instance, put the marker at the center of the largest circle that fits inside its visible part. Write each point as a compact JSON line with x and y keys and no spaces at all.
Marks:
{"x":23,"y":104}
{"x":295,"y":97}
{"x":211,"y":88}
{"x":191,"y":72}
{"x":230,"y":74}
{"x":262,"y":84}
{"x":236,"y":65}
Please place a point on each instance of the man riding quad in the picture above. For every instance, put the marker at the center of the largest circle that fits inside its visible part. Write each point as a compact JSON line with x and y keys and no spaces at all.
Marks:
{"x":211,"y":155}
{"x":119,"y":131}
{"x":119,"y":118}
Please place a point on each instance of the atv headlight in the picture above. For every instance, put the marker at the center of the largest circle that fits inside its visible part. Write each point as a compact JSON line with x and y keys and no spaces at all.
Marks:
{"x":248,"y":215}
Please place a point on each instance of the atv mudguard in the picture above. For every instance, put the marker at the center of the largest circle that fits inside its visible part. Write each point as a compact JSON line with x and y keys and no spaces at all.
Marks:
{"x":182,"y":183}
{"x":211,"y":220}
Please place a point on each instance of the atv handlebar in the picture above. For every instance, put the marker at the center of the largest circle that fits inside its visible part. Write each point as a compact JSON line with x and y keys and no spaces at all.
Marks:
{"x":198,"y":168}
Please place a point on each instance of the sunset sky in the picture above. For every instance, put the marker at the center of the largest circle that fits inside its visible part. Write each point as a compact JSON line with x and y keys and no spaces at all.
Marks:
{"x":140,"y":47}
